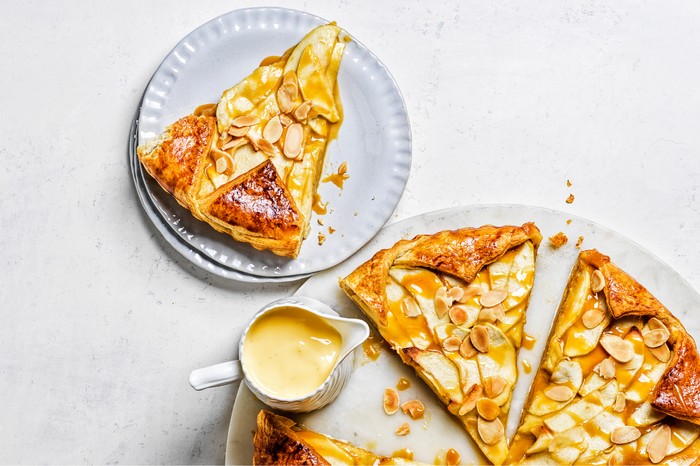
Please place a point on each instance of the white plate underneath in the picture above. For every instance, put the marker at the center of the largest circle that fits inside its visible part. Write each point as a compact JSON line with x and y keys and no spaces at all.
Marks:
{"x":357,"y":414}
{"x":374,"y":138}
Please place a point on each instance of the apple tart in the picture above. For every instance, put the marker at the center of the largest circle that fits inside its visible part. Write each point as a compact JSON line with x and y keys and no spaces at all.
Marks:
{"x":618,"y":382}
{"x":452,"y":305}
{"x":278,"y":440}
{"x":250,"y":165}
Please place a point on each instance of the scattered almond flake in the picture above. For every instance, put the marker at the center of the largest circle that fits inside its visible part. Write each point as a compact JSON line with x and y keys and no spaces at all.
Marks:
{"x":579,"y":242}
{"x":621,"y":350}
{"x":568,"y":183}
{"x":623,"y":435}
{"x":451,"y":344}
{"x":494,"y":297}
{"x":285,"y":119}
{"x":321,"y":238}
{"x":559,"y":393}
{"x":442,"y":302}
{"x":458,"y":315}
{"x":245,"y":120}
{"x":266,"y":146}
{"x":234,"y":143}
{"x":294,"y":141}
{"x":331,"y":230}
{"x":410,"y":307}
{"x":320,"y":221}
{"x":568,"y":222}
{"x":662,"y":353}
{"x":479,"y":337}
{"x":605,"y":369}
{"x":301,"y":113}
{"x":455,"y":293}
{"x":655,"y":338}
{"x":470,"y":399}
{"x":620,"y":403}
{"x":238,"y":132}
{"x":558,"y":240}
{"x":657,"y":448}
{"x":570,"y":199}
{"x":592,"y":318}
{"x":492,"y":314}
{"x":391,"y":401}
{"x":403,"y":429}
{"x":491,"y":432}
{"x":469,"y":292}
{"x":494,"y":386}
{"x":273,"y":130}
{"x":466,"y":349}
{"x":597,"y":281}
{"x":414,"y":408}
{"x":488,"y":409}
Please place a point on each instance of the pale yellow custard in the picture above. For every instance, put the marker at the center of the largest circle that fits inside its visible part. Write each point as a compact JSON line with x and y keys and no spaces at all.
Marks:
{"x":289,"y":352}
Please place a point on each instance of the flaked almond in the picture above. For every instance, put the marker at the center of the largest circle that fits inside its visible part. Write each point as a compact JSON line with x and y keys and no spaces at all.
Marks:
{"x":480,"y":338}
{"x":234,"y":143}
{"x":222,"y":165}
{"x":266,"y":146}
{"x":285,"y":119}
{"x":410,"y":307}
{"x":458,"y":314}
{"x":301,"y":113}
{"x":658,"y":444}
{"x":492,"y":314}
{"x":414,"y":408}
{"x":597,"y":281}
{"x":442,"y":302}
{"x":662,"y":353}
{"x":488,"y":409}
{"x":469,"y":292}
{"x":224,"y":138}
{"x":620,"y":403}
{"x":605,"y":368}
{"x":451,"y":344}
{"x":655,"y":324}
{"x":284,"y":100}
{"x":494,"y":386}
{"x":403,"y":429}
{"x":237,"y":132}
{"x":494,"y":297}
{"x":592,"y":318}
{"x":466,"y":349}
{"x":559,"y":393}
{"x":273,"y":130}
{"x":294,"y":141}
{"x":623,"y":435}
{"x":656,"y":338}
{"x":455,"y":293}
{"x":491,"y":432}
{"x":245,"y":120}
{"x":621,"y":350}
{"x":470,"y":398}
{"x":391,"y":400}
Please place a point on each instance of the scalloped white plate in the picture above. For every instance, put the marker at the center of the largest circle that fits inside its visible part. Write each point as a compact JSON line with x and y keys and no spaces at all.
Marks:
{"x":374,"y":138}
{"x":357,"y":415}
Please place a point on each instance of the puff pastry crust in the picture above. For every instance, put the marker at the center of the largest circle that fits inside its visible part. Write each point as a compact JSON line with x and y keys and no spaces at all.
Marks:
{"x":250,"y":165}
{"x":452,"y":305}
{"x":278,"y":440}
{"x":618,"y":382}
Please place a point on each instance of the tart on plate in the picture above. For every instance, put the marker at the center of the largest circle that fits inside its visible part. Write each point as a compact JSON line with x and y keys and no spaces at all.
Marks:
{"x":249,"y":166}
{"x":618,"y":382}
{"x":452,"y":305}
{"x":278,"y":440}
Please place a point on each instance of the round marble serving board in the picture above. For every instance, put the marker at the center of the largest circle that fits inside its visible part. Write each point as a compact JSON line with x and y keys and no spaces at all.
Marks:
{"x":357,"y":414}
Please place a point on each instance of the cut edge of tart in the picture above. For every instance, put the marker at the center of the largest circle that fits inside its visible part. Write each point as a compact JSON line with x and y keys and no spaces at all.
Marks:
{"x":282,"y":115}
{"x":618,"y":381}
{"x":452,"y":305}
{"x":279,"y":440}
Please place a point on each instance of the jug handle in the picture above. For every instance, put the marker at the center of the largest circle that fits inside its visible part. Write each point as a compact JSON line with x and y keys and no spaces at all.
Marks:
{"x":216,"y":375}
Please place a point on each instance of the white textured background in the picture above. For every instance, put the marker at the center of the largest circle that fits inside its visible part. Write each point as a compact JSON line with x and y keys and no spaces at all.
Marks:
{"x":101,"y":322}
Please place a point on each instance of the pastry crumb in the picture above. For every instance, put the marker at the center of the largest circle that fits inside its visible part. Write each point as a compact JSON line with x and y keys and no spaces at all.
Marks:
{"x":570,"y":199}
{"x":558,"y":240}
{"x":321,"y":238}
{"x":320,"y":221}
{"x":578,"y":243}
{"x":568,"y":222}
{"x":331,"y":230}
{"x":568,"y":183}
{"x":356,"y":213}
{"x":403,"y":429}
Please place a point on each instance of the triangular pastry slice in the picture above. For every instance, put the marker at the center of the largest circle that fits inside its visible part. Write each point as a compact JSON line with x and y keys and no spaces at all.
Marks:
{"x":619,"y":382}
{"x":281,"y":117}
{"x":279,"y":440}
{"x":452,"y":305}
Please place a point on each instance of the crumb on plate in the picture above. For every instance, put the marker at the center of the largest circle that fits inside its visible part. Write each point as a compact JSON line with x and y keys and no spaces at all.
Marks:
{"x":558,"y":240}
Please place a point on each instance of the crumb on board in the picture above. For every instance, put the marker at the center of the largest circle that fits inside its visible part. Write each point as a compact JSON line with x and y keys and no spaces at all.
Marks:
{"x":568,"y":222}
{"x":579,"y":241}
{"x":331,"y":230}
{"x":568,"y":183}
{"x":321,"y":238}
{"x":320,"y":221}
{"x":570,"y":199}
{"x":558,"y":240}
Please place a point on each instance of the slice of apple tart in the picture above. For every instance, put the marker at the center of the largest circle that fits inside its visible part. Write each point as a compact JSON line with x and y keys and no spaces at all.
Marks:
{"x":618,"y":382}
{"x":452,"y":305}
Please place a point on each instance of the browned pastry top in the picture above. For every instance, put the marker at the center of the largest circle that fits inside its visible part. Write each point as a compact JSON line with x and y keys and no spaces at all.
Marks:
{"x":174,"y":163}
{"x":259,"y":202}
{"x":678,"y":392}
{"x":276,"y":443}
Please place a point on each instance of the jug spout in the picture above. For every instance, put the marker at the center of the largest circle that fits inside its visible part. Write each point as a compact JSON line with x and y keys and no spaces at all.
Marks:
{"x":353,"y":332}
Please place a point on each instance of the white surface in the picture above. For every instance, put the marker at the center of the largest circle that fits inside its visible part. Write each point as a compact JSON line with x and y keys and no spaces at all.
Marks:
{"x":102,"y":322}
{"x":374,"y":139}
{"x":357,"y":414}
